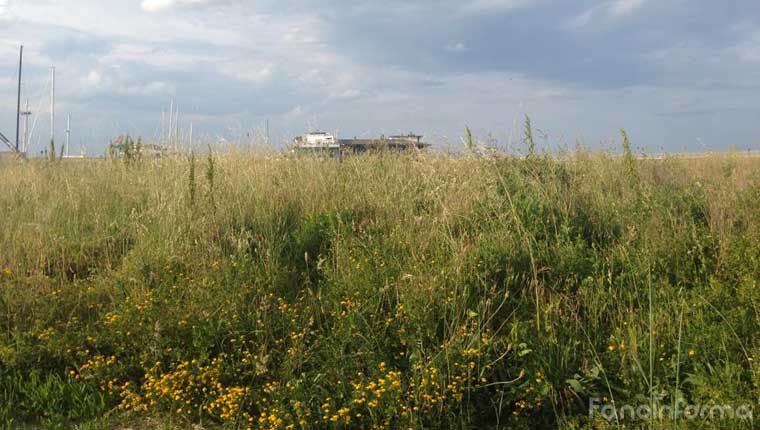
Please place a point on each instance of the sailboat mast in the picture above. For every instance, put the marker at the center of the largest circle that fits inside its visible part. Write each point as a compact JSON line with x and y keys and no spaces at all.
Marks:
{"x":26,"y":114}
{"x":171,"y":123}
{"x":68,"y":133}
{"x":18,"y":104}
{"x":176,"y":125}
{"x":163,"y":130}
{"x":52,"y":105}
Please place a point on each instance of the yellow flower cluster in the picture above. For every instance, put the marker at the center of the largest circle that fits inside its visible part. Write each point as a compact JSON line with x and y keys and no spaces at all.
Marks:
{"x":111,"y":319}
{"x":532,"y":397}
{"x":270,"y":420}
{"x":95,"y":363}
{"x":340,"y":416}
{"x":189,"y":388}
{"x":282,"y":305}
{"x":385,"y":389}
{"x":146,"y":302}
{"x":303,"y":412}
{"x":427,"y":392}
{"x":228,"y":404}
{"x":471,"y":352}
{"x":46,"y":334}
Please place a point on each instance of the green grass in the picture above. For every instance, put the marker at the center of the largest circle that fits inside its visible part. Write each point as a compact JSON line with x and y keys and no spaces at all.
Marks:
{"x":386,"y":291}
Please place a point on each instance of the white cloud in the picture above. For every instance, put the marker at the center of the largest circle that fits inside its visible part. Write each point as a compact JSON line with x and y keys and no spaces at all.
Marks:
{"x":458,"y":47}
{"x":112,"y":81}
{"x":296,"y":113}
{"x":501,"y":5}
{"x":123,"y":20}
{"x":249,"y":71}
{"x":625,"y":7}
{"x":350,"y":93}
{"x":607,"y":11}
{"x":94,"y":79}
{"x":313,"y":77}
{"x":151,"y":55}
{"x":160,"y":5}
{"x":147,"y":89}
{"x":5,"y":12}
{"x":748,"y":49}
{"x":297,"y":35}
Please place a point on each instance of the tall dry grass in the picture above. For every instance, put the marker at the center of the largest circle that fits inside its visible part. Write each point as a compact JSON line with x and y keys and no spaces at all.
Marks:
{"x":423,"y":291}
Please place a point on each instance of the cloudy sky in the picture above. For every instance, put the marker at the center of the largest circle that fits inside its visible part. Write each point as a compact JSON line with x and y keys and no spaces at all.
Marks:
{"x":677,"y":74}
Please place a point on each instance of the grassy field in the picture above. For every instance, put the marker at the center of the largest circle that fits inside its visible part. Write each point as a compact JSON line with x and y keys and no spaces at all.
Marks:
{"x":391,"y":291}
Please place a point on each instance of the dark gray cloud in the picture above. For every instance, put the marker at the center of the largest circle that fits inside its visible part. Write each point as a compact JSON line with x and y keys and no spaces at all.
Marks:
{"x":675,"y":72}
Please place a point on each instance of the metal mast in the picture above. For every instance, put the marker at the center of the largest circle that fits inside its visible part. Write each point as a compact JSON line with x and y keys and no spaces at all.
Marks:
{"x":25,"y":113}
{"x":163,"y":129}
{"x":52,"y":105}
{"x":171,"y":123}
{"x":68,"y":133}
{"x":18,"y":105}
{"x":176,"y":125}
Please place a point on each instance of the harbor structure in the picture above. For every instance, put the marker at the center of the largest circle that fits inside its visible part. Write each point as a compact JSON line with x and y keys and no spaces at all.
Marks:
{"x":323,"y":142}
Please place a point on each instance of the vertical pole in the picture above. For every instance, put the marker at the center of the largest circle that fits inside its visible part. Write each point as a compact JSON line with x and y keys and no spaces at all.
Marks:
{"x":27,"y":112}
{"x":52,"y":105}
{"x":163,"y":129}
{"x":176,"y":126}
{"x":170,"y":133}
{"x":191,"y":134}
{"x":68,"y":133}
{"x":18,"y":104}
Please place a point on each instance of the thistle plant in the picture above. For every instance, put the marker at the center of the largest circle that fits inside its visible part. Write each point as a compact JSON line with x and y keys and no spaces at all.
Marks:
{"x":191,"y":186}
{"x":210,"y":174}
{"x":51,"y":150}
{"x":138,"y":149}
{"x":628,"y":159}
{"x":528,"y":139}
{"x":468,"y":139}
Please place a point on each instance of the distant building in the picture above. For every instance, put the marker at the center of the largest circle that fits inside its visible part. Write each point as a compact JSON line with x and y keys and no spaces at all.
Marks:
{"x":126,"y":147}
{"x":410,"y":138}
{"x":407,"y":142}
{"x":325,"y":142}
{"x":317,"y":140}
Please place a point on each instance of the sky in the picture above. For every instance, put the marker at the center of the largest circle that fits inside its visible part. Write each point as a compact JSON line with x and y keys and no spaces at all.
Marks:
{"x":678,"y":75}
